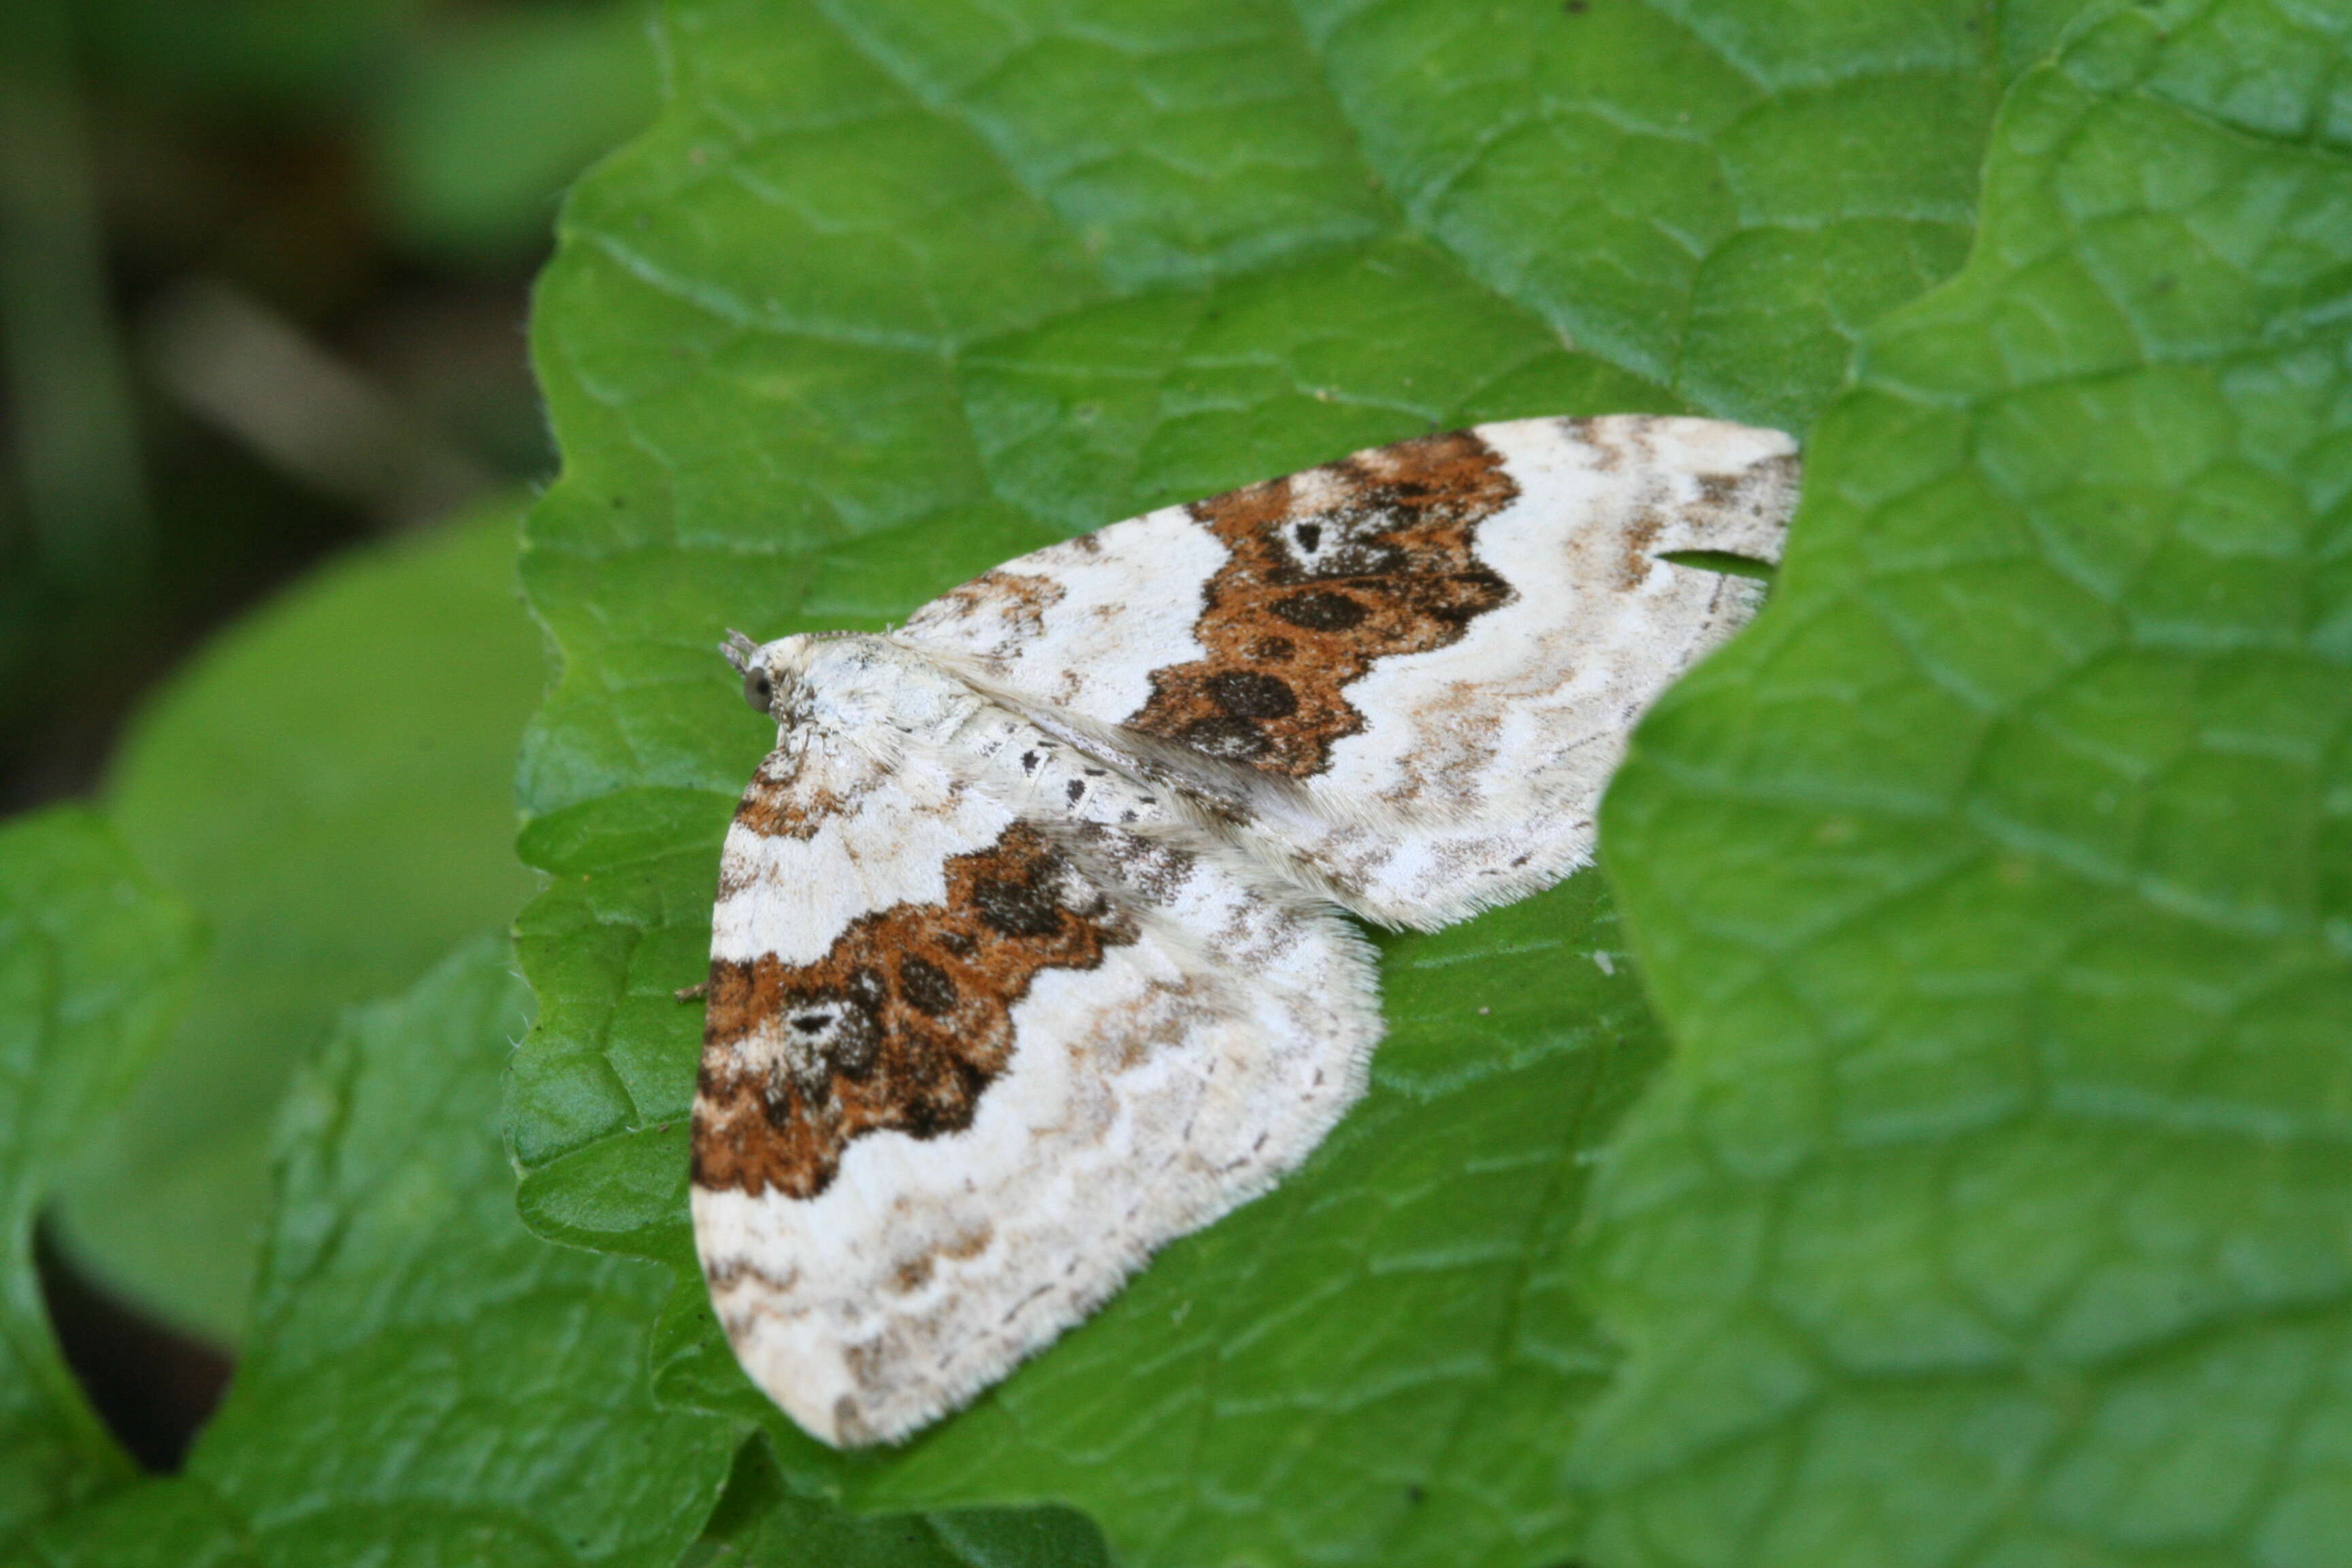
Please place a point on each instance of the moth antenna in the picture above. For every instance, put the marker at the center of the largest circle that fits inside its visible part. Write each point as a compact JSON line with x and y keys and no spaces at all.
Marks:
{"x":738,"y":650}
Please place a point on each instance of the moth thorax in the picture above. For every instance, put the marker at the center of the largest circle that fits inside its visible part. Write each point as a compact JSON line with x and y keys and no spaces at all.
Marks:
{"x":861,"y":682}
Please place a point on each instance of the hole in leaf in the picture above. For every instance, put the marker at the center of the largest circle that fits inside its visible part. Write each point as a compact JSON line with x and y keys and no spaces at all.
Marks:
{"x":1723,"y":561}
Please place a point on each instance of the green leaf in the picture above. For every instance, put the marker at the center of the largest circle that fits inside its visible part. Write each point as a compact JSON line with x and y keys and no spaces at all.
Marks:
{"x":1995,"y":887}
{"x":331,"y":785}
{"x":761,"y":1522}
{"x":93,"y":961}
{"x":491,"y":113}
{"x":895,"y":289}
{"x":424,"y":1379}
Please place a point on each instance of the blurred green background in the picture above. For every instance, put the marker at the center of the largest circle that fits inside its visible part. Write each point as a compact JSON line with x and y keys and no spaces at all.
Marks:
{"x":266,"y":426}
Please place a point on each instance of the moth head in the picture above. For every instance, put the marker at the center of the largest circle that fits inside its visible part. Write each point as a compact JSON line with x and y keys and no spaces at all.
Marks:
{"x":750,"y":662}
{"x":860,"y":674}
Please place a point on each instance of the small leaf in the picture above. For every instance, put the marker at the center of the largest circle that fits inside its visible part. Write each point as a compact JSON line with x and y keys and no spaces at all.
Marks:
{"x":1995,"y":886}
{"x":94,"y":959}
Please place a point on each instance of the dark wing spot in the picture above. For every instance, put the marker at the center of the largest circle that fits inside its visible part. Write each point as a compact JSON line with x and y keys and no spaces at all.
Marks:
{"x":1252,"y":694}
{"x":926,"y":986}
{"x":1310,"y":535}
{"x":1321,"y":612}
{"x":1221,"y":736}
{"x":1017,"y":909}
{"x":1475,"y":593}
{"x":841,"y":1030}
{"x":944,"y":1104}
{"x":1075,"y":791}
{"x":1028,"y":762}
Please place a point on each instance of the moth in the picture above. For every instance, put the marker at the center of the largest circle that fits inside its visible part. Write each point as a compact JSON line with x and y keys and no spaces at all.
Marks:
{"x":1031,"y":950}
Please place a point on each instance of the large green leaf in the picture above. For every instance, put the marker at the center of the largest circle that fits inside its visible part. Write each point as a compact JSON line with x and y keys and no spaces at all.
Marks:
{"x":425,"y":1382}
{"x":1997,"y":888}
{"x":896,"y":288}
{"x":93,"y":960}
{"x":331,"y":785}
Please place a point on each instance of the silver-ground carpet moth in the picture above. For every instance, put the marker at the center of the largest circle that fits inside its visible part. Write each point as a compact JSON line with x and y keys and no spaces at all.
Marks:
{"x":1029,"y":954}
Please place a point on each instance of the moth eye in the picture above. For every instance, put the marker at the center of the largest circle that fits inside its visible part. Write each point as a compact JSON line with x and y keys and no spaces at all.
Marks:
{"x":758,"y":690}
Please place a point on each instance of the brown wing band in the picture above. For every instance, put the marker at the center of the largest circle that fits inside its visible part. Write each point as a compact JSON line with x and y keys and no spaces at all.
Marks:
{"x":903,"y":1024}
{"x":1329,"y":570}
